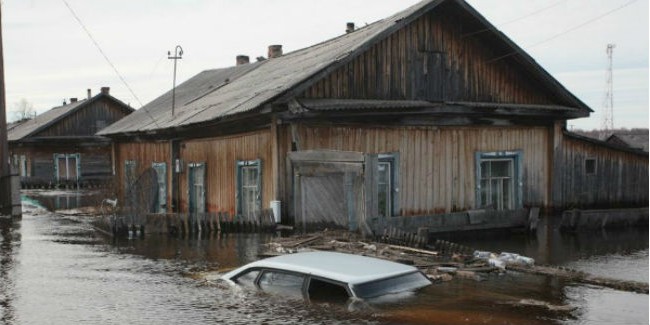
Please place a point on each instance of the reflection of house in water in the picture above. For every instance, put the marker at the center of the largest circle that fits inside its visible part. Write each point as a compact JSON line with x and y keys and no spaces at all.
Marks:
{"x":412,"y":121}
{"x":59,"y":147}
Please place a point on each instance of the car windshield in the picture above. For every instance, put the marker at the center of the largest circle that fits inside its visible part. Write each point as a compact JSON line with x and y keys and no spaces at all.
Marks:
{"x":405,"y":282}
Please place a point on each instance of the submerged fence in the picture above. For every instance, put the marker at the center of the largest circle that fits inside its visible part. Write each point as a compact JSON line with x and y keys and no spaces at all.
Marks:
{"x":185,"y":224}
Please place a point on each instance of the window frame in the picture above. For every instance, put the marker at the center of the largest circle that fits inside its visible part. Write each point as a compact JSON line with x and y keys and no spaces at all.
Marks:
{"x":67,"y":156}
{"x":392,"y":159}
{"x":306,"y":279}
{"x":517,"y":185}
{"x":191,"y":170}
{"x":595,"y":166}
{"x":239,"y":193}
{"x":161,"y":206}
{"x":129,"y":180}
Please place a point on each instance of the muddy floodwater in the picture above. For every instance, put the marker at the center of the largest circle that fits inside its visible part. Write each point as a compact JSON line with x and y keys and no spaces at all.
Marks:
{"x":59,"y":270}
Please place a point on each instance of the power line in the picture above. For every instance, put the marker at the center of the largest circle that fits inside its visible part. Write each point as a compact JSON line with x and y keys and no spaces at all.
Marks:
{"x":567,"y":31}
{"x":102,"y":51}
{"x":516,"y":19}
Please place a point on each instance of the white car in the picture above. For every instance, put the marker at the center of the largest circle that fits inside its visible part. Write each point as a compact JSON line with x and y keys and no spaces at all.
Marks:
{"x":329,"y":276}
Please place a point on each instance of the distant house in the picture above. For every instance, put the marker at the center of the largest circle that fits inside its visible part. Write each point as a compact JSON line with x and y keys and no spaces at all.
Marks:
{"x":430,"y":115}
{"x":630,"y":139}
{"x":59,"y":147}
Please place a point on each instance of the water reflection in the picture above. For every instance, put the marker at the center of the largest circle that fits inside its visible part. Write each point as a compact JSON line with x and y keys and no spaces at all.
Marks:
{"x":58,"y":270}
{"x":54,"y":200}
{"x":9,"y":244}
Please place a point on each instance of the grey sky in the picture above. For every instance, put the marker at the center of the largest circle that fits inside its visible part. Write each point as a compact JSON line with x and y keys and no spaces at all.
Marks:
{"x":49,"y":57}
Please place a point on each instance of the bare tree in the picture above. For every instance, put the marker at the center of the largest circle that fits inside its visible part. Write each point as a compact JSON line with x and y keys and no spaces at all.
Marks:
{"x":23,"y":110}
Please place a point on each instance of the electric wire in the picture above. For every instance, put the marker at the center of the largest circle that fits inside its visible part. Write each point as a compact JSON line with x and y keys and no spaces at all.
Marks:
{"x":516,"y":19}
{"x":83,"y":26}
{"x":565,"y":31}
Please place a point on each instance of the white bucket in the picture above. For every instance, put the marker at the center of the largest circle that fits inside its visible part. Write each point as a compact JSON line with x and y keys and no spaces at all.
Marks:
{"x":275,"y":206}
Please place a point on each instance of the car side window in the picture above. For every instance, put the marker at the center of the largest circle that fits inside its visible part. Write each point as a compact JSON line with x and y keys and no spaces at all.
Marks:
{"x":282,"y":282}
{"x":325,"y":291}
{"x":247,"y":279}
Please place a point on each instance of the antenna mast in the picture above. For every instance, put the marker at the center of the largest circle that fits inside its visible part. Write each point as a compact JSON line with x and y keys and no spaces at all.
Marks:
{"x":608,"y":105}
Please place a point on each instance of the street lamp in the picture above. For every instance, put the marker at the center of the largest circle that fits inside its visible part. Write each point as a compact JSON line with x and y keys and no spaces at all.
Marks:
{"x":178,"y":54}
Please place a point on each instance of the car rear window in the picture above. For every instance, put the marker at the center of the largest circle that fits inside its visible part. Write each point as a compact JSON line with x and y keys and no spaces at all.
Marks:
{"x":406,"y":282}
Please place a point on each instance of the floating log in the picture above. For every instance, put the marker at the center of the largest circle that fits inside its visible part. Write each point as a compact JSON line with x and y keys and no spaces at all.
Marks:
{"x":582,"y":277}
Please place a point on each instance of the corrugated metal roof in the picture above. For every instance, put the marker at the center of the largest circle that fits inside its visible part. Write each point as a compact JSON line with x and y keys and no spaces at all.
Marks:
{"x":31,"y":127}
{"x":206,"y":97}
{"x":635,"y":140}
{"x":41,"y":121}
{"x":251,"y":86}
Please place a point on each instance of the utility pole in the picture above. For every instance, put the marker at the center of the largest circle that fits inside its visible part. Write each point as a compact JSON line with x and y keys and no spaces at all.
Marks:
{"x":5,"y":168}
{"x":608,"y":105}
{"x":178,"y":54}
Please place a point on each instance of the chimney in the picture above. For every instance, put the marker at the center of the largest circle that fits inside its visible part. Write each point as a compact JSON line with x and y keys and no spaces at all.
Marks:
{"x":349,"y":28}
{"x":275,"y":51}
{"x":105,"y":90}
{"x":89,"y":93}
{"x":242,"y":59}
{"x":73,"y":100}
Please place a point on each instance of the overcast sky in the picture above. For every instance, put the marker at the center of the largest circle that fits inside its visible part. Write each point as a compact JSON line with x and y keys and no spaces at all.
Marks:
{"x":49,"y":57}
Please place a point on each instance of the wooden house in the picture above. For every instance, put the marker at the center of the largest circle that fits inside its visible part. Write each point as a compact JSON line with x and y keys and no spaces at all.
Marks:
{"x":59,"y":147}
{"x":635,"y":139}
{"x":429,"y":117}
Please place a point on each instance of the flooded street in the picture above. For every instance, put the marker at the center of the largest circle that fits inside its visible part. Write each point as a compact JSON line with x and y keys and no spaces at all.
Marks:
{"x":59,"y":270}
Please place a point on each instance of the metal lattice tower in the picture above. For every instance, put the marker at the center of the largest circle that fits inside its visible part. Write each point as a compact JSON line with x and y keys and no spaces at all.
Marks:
{"x":608,"y":104}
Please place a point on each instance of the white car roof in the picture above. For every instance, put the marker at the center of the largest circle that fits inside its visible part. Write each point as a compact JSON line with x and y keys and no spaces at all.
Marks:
{"x":348,"y":268}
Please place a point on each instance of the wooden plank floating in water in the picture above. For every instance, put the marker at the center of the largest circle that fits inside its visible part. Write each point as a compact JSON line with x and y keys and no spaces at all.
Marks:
{"x":582,"y":277}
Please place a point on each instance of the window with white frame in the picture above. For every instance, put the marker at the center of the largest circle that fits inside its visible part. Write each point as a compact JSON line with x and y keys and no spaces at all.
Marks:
{"x":498,"y":180}
{"x":249,"y":188}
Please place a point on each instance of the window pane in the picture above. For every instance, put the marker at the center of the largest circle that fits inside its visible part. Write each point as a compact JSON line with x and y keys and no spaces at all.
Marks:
{"x":62,"y":168}
{"x":384,"y":188}
{"x":497,"y":183}
{"x":500,"y":168}
{"x":485,"y":192}
{"x":248,"y":279}
{"x":402,"y":283}
{"x":283,"y":283}
{"x":495,"y":191}
{"x":326,"y":291}
{"x":507,"y":194}
{"x":485,"y":169}
{"x":249,"y":190}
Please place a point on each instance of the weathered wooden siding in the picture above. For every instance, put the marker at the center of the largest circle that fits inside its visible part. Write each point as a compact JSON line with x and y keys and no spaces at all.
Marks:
{"x":95,"y":162}
{"x":144,"y":154}
{"x":434,"y":58}
{"x":220,"y":156}
{"x":437,"y":164}
{"x":620,"y":180}
{"x":87,"y":121}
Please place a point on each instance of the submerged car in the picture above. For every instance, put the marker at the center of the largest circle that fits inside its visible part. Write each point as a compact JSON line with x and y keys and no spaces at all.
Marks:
{"x":329,"y":276}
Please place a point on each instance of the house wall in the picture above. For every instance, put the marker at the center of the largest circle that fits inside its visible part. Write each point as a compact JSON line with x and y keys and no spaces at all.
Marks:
{"x":87,"y":121}
{"x":144,"y":154}
{"x":437,"y":164}
{"x":220,"y":155}
{"x":620,"y":178}
{"x":95,"y":162}
{"x":435,"y":59}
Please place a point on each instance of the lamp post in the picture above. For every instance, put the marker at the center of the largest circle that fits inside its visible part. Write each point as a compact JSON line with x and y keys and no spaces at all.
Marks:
{"x":178,"y":54}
